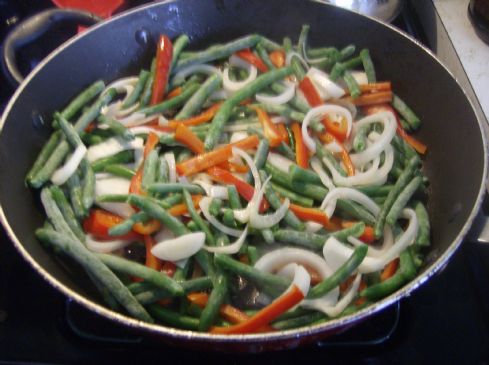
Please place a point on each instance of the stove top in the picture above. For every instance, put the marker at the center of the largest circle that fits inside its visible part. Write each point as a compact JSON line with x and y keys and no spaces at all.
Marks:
{"x":444,"y":321}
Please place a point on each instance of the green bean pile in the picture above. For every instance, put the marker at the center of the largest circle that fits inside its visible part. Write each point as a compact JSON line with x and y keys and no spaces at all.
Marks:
{"x":264,"y":175}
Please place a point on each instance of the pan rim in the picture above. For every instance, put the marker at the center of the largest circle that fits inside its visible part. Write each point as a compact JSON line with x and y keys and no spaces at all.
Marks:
{"x":177,"y":334}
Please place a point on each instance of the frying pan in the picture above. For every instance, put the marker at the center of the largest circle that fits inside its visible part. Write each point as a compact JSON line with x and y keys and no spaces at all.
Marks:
{"x":455,"y":164}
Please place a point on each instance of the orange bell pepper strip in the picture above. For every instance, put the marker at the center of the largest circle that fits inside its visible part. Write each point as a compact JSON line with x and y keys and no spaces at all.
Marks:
{"x":345,"y":157}
{"x":314,"y":215}
{"x":277,"y":58}
{"x":283,"y":133}
{"x":219,"y":155}
{"x":164,"y":54}
{"x":301,"y":152}
{"x":250,"y":57}
{"x":181,"y":209}
{"x":175,"y":92}
{"x":376,"y":87}
{"x":244,"y":189}
{"x":413,"y":142}
{"x":168,"y":268}
{"x":151,"y":261}
{"x":371,"y":98}
{"x":184,"y":135}
{"x":202,"y":118}
{"x":270,"y":130}
{"x":367,"y":235}
{"x":149,"y":227}
{"x":389,"y":269}
{"x":100,"y":221}
{"x":265,"y":315}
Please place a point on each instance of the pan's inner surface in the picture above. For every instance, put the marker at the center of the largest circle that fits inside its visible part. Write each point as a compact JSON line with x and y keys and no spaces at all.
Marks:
{"x":454,"y":164}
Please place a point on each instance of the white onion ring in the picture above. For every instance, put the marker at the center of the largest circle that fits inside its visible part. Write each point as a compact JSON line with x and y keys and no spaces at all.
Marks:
{"x":62,"y":174}
{"x":111,"y":146}
{"x":326,"y":88}
{"x":299,"y":275}
{"x":233,"y":86}
{"x":336,"y":253}
{"x":288,"y":59}
{"x":231,"y":248}
{"x":268,"y":220}
{"x":279,"y":99}
{"x":136,"y":119}
{"x":181,"y":75}
{"x":104,"y":246}
{"x":179,"y":248}
{"x":329,"y":202}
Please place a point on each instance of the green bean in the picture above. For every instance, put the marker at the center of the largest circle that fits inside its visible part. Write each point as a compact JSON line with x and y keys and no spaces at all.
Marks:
{"x":352,"y":84}
{"x":302,"y":42}
{"x":94,"y":110}
{"x":112,"y":198}
{"x":126,"y":226}
{"x":374,"y":190}
{"x":260,"y":158}
{"x":290,"y":134}
{"x":263,"y":54}
{"x":116,"y":127}
{"x":360,"y":139}
{"x":297,"y":173}
{"x":122,"y":157}
{"x":285,"y":150}
{"x":137,"y":91}
{"x":215,"y":207}
{"x":64,"y":206}
{"x":54,"y":214}
{"x":173,"y":318}
{"x":271,"y":284}
{"x":401,"y":182}
{"x":209,"y":237}
{"x":297,"y":322}
{"x":355,"y":230}
{"x":348,"y":51}
{"x":87,"y":184}
{"x":368,"y":66}
{"x":165,"y":188}
{"x":74,"y":248}
{"x":340,"y":275}
{"x":307,"y":239}
{"x":404,"y":273}
{"x":132,"y":268}
{"x":228,"y":218}
{"x":148,"y":86}
{"x":171,"y":103}
{"x":76,"y":196}
{"x":293,"y":196}
{"x":154,"y":294}
{"x":178,"y":45}
{"x":267,"y":235}
{"x":218,"y":52}
{"x":43,"y":156}
{"x":49,"y":167}
{"x":194,"y":104}
{"x":402,"y":200}
{"x":120,"y":170}
{"x":149,"y":169}
{"x":247,"y":91}
{"x":252,"y":254}
{"x":104,"y":292}
{"x":355,"y":211}
{"x":406,"y":112}
{"x":323,"y":52}
{"x":269,"y":44}
{"x":423,"y":237}
{"x":296,"y":102}
{"x":69,"y":131}
{"x":233,"y":197}
{"x":324,"y":153}
{"x":216,"y":299}
{"x":83,"y":98}
{"x":274,"y":200}
{"x":152,"y":208}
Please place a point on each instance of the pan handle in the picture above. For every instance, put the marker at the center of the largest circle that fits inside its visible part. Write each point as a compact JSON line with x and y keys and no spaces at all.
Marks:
{"x":34,"y":27}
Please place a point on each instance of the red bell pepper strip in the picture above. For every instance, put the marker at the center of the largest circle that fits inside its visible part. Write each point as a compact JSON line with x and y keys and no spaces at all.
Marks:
{"x":371,"y":98}
{"x":283,"y":133}
{"x":244,"y":189}
{"x":250,"y":57}
{"x":184,"y":135}
{"x":272,"y":133}
{"x":367,"y":235}
{"x":375,"y":87}
{"x":413,"y":142}
{"x":151,"y":261}
{"x":100,"y":221}
{"x":265,"y":315}
{"x":219,"y":155}
{"x":389,"y":269}
{"x":301,"y":151}
{"x":277,"y":58}
{"x":164,"y":54}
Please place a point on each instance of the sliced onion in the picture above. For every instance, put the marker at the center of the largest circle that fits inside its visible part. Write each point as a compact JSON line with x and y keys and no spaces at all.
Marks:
{"x":231,"y":248}
{"x":238,"y":136}
{"x":120,"y":85}
{"x":181,"y":75}
{"x":62,"y":174}
{"x":340,"y":306}
{"x":372,"y":176}
{"x":279,"y":99}
{"x":204,"y":206}
{"x":146,"y":130}
{"x":345,"y":104}
{"x":105,"y":246}
{"x":325,"y":179}
{"x":320,"y":111}
{"x":288,"y":59}
{"x":136,"y":119}
{"x":172,"y":166}
{"x":329,"y":202}
{"x":162,"y":121}
{"x":111,"y":146}
{"x":268,"y":220}
{"x":336,"y":253}
{"x":220,"y":95}
{"x":163,"y":234}
{"x":313,"y":227}
{"x":214,"y":191}
{"x":327,"y":89}
{"x":299,"y":275}
{"x":233,"y":86}
{"x":360,"y":77}
{"x":114,"y":185}
{"x":275,"y":260}
{"x":280,"y":162}
{"x":389,"y":121}
{"x":179,"y":248}
{"x":279,"y":119}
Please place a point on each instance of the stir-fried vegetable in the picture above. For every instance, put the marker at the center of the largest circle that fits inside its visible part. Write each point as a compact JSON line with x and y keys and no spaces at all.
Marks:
{"x":242,"y":168}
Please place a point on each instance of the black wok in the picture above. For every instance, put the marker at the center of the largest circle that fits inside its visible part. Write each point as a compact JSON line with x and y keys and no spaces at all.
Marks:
{"x":455,"y":164}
